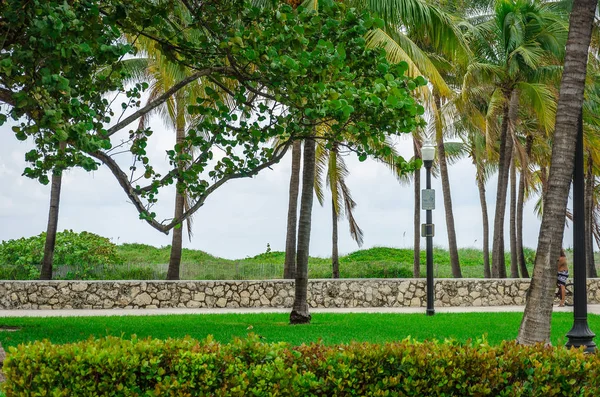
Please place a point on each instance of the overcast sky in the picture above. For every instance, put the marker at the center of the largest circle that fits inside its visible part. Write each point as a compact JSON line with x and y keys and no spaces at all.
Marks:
{"x":240,"y":218}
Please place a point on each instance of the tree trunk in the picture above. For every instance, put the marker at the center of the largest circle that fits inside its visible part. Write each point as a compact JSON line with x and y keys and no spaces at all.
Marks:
{"x":486,"y":226}
{"x":506,"y":148}
{"x":544,"y":180}
{"x":335,"y":260}
{"x":514,"y":265}
{"x":177,"y":240}
{"x":535,"y":326}
{"x":289,"y":268}
{"x":300,"y":314}
{"x":52,"y":226}
{"x":417,"y":215}
{"x":520,"y":207}
{"x":589,"y":216}
{"x":452,"y":248}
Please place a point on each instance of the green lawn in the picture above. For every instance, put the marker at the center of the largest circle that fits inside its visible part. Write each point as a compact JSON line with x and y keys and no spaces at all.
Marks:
{"x":274,"y":327}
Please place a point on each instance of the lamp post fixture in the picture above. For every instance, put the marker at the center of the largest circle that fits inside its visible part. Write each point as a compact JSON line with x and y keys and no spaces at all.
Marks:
{"x":580,"y":334}
{"x":427,"y":229}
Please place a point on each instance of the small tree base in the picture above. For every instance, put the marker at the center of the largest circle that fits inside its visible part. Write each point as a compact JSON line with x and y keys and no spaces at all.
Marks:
{"x":300,"y":317}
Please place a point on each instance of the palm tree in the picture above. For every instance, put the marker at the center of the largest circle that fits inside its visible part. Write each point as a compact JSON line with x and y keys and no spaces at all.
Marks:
{"x":409,"y":36}
{"x":331,"y":170}
{"x":514,"y":262}
{"x":483,"y":170}
{"x":163,"y":74}
{"x":473,"y":115}
{"x":523,"y":187}
{"x":523,"y":36}
{"x":590,"y":216}
{"x":300,"y":313}
{"x":535,"y":326}
{"x":443,"y":164}
{"x":289,"y":267}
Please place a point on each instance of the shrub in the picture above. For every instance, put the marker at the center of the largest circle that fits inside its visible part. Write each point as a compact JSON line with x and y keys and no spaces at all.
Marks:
{"x":81,"y":252}
{"x":113,"y":366}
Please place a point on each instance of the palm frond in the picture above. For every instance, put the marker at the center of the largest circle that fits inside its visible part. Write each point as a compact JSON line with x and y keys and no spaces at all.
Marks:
{"x":321,"y":156}
{"x":409,"y":53}
{"x":542,"y":100}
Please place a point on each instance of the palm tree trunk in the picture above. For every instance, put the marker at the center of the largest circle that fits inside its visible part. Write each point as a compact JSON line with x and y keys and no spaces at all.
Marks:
{"x":335,"y":260}
{"x":177,"y":240}
{"x":417,"y":214}
{"x":289,"y":267}
{"x":514,"y":265}
{"x":300,"y":314}
{"x":544,"y":180}
{"x":589,"y":216}
{"x":506,"y":148}
{"x":486,"y":225}
{"x":52,"y":226}
{"x":452,"y":248}
{"x":535,"y":326}
{"x":520,"y":208}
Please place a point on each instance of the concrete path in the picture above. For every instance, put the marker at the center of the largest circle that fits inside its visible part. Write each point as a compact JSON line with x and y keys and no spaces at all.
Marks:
{"x":592,"y":309}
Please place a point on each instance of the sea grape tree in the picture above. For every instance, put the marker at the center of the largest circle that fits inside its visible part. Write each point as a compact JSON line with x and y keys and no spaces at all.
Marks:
{"x":269,"y":72}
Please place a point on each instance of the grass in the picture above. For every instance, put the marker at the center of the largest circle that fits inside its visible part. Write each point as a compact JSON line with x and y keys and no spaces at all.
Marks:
{"x":378,"y":262}
{"x":274,"y":327}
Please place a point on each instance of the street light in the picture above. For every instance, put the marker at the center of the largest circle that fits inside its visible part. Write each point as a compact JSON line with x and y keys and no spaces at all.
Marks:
{"x":427,"y":230}
{"x":580,"y":334}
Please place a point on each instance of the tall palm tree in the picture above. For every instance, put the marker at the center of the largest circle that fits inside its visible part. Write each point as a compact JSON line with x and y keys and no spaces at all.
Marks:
{"x":535,"y":326}
{"x":289,"y":267}
{"x":443,"y":164}
{"x":473,"y":115}
{"x":163,"y":74}
{"x":300,"y":313}
{"x":523,"y":186}
{"x":590,"y":219}
{"x":409,"y":36}
{"x":522,"y":36}
{"x":331,"y":170}
{"x":483,"y":170}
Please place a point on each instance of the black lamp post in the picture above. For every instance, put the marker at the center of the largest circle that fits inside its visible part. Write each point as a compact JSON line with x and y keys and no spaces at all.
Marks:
{"x":427,"y":230}
{"x":580,"y":334}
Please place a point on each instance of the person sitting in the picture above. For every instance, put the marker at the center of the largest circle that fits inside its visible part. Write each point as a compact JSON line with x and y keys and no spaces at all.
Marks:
{"x":562,"y":276}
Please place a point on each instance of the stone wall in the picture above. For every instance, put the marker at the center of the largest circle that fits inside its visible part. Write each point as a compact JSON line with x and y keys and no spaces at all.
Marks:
{"x":269,"y":293}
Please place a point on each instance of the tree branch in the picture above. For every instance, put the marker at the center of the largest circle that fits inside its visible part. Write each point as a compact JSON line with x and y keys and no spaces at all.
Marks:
{"x":279,"y":152}
{"x":129,"y":190}
{"x":6,"y":97}
{"x":162,"y":98}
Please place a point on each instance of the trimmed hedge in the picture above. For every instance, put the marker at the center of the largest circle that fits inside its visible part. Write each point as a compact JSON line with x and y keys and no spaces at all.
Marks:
{"x":248,"y":367}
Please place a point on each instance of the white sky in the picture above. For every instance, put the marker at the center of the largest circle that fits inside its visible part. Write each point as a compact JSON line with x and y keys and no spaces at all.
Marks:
{"x":240,"y":218}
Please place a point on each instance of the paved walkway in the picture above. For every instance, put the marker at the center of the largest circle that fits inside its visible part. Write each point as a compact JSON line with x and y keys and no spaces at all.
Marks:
{"x":592,"y":309}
